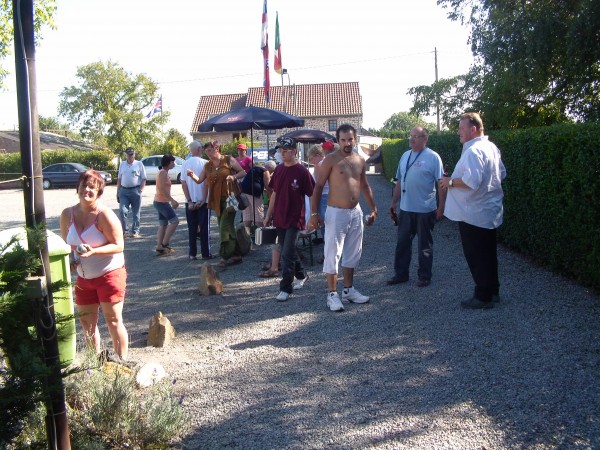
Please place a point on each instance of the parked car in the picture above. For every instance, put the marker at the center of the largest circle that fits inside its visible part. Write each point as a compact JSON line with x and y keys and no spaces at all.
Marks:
{"x":152,"y":163}
{"x":67,"y":175}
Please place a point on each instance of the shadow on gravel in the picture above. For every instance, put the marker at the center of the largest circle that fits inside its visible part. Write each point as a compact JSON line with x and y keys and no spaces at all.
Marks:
{"x":409,"y":370}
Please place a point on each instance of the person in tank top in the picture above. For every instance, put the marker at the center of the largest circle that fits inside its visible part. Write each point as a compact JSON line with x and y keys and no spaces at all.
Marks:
{"x":95,"y":235}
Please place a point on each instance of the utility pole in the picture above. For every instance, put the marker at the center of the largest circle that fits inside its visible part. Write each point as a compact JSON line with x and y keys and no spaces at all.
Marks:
{"x":283,"y":94}
{"x":437,"y":97}
{"x":57,"y":426}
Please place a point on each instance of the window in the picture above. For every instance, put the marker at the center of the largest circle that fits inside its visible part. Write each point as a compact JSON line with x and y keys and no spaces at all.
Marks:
{"x":332,"y":125}
{"x":270,"y":132}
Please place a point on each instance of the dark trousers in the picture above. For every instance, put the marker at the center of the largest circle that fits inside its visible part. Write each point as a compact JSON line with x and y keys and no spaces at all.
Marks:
{"x":411,"y":224}
{"x":480,"y":249}
{"x":198,"y":218}
{"x":291,"y":266}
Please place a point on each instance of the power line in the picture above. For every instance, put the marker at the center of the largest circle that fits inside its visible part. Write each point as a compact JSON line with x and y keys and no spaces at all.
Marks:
{"x":295,"y":69}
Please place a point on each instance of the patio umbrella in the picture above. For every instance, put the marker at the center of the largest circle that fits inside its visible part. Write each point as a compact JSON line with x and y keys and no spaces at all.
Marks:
{"x":251,"y":118}
{"x":310,"y":136}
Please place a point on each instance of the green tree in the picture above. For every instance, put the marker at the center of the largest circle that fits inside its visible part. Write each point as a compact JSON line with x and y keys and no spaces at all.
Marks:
{"x":400,"y":124}
{"x":537,"y":63}
{"x":44,"y":11}
{"x":109,"y":107}
{"x":175,"y":143}
{"x":455,"y":96}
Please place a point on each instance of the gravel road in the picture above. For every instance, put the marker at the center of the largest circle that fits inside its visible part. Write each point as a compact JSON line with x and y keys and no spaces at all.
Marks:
{"x":410,"y":370}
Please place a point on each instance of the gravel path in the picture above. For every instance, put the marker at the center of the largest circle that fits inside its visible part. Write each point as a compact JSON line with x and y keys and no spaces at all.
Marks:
{"x":409,"y":370}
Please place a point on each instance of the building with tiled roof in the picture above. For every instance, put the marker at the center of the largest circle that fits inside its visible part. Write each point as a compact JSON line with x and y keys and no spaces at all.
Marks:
{"x":323,"y":107}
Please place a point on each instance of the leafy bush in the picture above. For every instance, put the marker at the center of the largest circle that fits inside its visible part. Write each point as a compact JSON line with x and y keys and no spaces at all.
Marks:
{"x":552,"y":184}
{"x":10,"y":163}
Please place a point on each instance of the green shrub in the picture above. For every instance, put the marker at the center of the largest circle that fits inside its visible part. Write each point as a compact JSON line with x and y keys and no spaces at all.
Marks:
{"x":552,"y":184}
{"x":10,"y":164}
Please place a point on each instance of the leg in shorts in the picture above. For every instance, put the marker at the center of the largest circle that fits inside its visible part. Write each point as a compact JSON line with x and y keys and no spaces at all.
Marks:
{"x":343,"y":236}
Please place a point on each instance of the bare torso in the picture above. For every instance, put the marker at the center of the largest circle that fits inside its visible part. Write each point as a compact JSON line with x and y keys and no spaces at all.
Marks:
{"x":345,"y":173}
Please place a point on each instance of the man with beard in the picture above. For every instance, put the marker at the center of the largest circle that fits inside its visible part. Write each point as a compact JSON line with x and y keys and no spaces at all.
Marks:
{"x":345,"y":172}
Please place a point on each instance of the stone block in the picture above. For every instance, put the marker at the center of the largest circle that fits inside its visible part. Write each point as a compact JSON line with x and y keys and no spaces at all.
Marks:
{"x":210,"y":283}
{"x":160,"y":331}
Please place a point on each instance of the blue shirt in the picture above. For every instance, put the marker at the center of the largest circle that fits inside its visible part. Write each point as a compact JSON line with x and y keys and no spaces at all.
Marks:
{"x":417,"y":174}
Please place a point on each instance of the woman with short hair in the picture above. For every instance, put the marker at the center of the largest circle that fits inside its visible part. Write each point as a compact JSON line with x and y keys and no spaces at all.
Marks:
{"x":95,"y":235}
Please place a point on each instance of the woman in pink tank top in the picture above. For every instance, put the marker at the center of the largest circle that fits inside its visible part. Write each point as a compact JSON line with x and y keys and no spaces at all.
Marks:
{"x":94,"y":233}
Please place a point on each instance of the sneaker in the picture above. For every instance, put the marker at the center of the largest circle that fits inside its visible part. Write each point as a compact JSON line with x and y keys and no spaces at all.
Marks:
{"x":299,"y":284}
{"x":333,"y":302}
{"x":282,"y":296}
{"x":352,"y":295}
{"x":136,"y":235}
{"x":192,"y":258}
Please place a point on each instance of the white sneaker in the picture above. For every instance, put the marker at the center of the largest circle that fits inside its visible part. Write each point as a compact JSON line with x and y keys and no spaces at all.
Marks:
{"x":299,"y":284}
{"x":282,"y":296}
{"x":333,"y":302}
{"x":352,"y":295}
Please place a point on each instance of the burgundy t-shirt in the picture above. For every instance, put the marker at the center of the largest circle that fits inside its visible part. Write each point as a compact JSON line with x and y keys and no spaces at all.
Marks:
{"x":290,"y":184}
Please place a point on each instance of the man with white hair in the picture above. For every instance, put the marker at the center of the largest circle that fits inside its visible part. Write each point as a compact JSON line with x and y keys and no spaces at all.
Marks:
{"x":197,"y":214}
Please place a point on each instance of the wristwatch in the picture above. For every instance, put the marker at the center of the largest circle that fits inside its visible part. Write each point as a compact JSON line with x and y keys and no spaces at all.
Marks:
{"x":450,"y":183}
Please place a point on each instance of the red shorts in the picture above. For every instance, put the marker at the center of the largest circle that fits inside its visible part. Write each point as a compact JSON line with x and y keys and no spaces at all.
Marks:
{"x":109,"y":288}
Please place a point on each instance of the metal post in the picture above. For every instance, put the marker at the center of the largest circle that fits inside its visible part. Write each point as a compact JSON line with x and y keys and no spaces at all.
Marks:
{"x":437,"y":98}
{"x":283,"y":94}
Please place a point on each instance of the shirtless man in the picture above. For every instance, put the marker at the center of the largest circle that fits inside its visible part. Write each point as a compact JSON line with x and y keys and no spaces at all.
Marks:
{"x":345,"y":172}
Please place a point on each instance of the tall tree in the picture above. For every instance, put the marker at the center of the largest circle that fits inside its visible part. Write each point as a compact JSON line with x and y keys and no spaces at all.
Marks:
{"x":537,"y":62}
{"x":400,"y":124}
{"x":44,"y":11}
{"x":175,"y":143}
{"x":110,"y":105}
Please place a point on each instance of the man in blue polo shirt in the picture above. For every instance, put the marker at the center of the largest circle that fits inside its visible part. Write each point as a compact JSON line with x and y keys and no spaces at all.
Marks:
{"x":418,"y":173}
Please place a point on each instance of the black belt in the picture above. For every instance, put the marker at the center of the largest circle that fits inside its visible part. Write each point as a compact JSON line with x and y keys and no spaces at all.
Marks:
{"x":132,"y":187}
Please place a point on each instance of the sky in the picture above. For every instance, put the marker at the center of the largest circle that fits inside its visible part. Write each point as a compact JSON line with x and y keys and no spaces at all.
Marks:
{"x":193,"y":48}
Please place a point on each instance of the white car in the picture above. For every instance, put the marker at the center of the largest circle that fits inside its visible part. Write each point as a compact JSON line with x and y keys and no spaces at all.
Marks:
{"x":151,"y":164}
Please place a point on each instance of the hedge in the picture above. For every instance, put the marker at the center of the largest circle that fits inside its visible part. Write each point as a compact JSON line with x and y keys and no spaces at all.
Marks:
{"x":550,"y":193}
{"x":10,"y":164}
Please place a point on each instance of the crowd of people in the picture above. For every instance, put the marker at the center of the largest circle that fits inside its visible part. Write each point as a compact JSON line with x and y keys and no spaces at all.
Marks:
{"x":323,"y":198}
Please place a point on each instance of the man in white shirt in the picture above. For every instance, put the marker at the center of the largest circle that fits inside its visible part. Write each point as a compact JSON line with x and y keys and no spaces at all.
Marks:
{"x":474,"y":200}
{"x":196,"y":211}
{"x":130,"y":184}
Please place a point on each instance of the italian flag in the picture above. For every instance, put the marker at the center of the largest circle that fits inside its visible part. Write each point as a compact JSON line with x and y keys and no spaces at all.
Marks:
{"x":277,"y":64}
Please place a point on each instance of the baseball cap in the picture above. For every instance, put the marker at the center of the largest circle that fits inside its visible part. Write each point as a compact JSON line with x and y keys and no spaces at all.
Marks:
{"x":286,"y":142}
{"x":129,"y":150}
{"x":242,"y":147}
{"x":328,"y":146}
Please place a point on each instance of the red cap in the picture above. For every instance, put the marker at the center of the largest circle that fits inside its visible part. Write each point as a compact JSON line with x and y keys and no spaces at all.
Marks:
{"x":242,"y":147}
{"x":328,"y":145}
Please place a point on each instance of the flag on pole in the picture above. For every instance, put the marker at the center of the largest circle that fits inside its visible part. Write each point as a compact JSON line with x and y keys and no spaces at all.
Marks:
{"x":157,"y":108}
{"x":264,"y":45}
{"x":277,"y":64}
